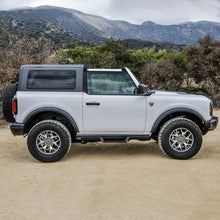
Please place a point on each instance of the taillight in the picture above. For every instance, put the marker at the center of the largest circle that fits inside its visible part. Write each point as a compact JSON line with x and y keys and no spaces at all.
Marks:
{"x":14,"y":106}
{"x":211,"y":109}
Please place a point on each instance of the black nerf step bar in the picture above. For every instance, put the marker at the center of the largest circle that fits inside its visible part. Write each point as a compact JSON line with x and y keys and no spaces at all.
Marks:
{"x":111,"y":138}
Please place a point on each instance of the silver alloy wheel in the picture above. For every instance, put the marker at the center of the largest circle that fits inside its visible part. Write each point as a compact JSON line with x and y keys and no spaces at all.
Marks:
{"x":181,"y":139}
{"x":48,"y":142}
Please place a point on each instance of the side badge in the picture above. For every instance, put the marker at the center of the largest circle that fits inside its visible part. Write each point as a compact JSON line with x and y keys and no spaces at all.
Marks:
{"x":151,"y":103}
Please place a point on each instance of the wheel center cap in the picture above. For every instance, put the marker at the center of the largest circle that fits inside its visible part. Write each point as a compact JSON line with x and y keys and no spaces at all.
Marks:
{"x":49,"y":142}
{"x":181,"y":139}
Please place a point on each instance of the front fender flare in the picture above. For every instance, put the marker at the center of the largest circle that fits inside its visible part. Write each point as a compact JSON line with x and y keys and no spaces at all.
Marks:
{"x":175,"y":110}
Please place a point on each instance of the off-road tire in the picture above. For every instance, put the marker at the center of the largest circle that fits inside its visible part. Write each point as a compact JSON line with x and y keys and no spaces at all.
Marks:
{"x":8,"y":94}
{"x":169,"y":127}
{"x":51,"y":125}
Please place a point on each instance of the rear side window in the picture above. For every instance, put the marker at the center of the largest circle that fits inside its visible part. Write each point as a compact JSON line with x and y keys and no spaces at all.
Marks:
{"x":51,"y":79}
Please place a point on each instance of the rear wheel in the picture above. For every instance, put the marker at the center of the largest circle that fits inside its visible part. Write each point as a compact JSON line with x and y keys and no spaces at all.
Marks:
{"x":49,"y":141}
{"x":180,"y":138}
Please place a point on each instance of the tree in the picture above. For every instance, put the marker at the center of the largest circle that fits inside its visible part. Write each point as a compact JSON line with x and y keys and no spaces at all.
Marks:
{"x":17,"y":50}
{"x":204,"y":66}
{"x":162,"y":75}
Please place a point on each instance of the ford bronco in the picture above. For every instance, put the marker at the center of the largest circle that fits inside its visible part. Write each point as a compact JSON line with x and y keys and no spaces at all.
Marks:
{"x":57,"y":105}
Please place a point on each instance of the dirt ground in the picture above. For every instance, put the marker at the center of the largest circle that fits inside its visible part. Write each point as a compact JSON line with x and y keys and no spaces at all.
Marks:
{"x":109,"y":181}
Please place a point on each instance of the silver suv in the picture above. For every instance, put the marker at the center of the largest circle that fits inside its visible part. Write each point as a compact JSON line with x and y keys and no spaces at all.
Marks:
{"x":57,"y":105}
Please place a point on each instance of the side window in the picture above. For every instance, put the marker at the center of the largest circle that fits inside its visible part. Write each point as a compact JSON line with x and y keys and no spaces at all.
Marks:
{"x":110,"y":83}
{"x":51,"y":79}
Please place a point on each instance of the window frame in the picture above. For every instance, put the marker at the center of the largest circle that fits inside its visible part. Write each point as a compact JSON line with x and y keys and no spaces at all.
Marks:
{"x":85,"y":84}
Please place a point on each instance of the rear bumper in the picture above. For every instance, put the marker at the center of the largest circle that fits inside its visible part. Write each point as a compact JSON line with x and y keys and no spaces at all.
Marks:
{"x":211,"y":124}
{"x":17,"y":128}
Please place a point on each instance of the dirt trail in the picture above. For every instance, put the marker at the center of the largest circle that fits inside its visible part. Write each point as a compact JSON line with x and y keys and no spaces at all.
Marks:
{"x":109,"y":181}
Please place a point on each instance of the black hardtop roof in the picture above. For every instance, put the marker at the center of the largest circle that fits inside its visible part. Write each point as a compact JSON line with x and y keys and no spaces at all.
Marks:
{"x":53,"y":66}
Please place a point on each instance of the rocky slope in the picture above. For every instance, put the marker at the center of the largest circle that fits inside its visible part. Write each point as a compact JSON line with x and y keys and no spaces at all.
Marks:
{"x":64,"y":24}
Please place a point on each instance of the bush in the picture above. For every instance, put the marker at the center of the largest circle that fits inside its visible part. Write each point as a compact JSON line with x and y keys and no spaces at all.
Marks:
{"x":163,"y":75}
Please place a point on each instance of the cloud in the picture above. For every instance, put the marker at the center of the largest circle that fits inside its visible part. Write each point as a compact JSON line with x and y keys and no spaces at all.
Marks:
{"x":135,"y":11}
{"x":165,"y":12}
{"x":10,"y":4}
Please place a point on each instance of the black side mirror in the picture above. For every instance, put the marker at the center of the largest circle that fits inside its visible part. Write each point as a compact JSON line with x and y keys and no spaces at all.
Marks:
{"x":143,"y":90}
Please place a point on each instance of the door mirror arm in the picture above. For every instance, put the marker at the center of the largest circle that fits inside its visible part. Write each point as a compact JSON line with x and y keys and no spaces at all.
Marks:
{"x":144,"y":91}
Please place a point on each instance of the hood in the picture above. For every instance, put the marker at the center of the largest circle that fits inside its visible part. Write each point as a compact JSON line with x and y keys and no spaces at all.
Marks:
{"x":161,"y":92}
{"x":180,"y":95}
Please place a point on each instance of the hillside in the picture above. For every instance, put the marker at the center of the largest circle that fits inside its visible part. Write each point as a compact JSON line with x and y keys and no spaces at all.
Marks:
{"x":62,"y":24}
{"x":135,"y":44}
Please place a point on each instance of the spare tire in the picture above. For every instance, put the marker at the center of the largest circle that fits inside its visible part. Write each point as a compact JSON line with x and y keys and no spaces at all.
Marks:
{"x":8,"y":95}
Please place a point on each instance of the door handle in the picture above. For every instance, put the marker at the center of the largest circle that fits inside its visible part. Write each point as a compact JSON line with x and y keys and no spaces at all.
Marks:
{"x":92,"y":103}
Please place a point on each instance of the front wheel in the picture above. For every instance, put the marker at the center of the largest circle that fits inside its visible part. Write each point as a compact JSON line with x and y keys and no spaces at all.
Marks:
{"x":180,"y":138}
{"x":49,"y":141}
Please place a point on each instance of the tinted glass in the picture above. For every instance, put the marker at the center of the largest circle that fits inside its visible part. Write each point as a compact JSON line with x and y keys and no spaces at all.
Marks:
{"x":51,"y":79}
{"x":110,"y":83}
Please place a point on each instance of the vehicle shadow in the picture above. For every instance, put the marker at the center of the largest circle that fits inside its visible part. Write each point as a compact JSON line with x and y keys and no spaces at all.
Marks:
{"x":110,"y":149}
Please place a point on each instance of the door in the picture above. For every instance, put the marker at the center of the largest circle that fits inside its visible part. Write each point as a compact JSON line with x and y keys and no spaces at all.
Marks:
{"x":110,"y":105}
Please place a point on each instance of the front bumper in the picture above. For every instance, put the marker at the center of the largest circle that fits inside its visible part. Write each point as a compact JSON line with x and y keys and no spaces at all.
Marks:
{"x":212,"y":124}
{"x":17,"y":128}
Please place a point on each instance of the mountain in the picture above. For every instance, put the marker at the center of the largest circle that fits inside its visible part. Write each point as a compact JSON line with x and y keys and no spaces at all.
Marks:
{"x":63,"y":24}
{"x":185,"y":33}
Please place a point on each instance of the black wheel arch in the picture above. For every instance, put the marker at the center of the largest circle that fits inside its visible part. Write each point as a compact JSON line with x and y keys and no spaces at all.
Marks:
{"x":50,"y":113}
{"x":177,"y":112}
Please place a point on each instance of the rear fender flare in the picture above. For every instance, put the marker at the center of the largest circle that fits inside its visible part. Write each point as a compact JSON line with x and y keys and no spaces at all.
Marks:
{"x":55,"y":110}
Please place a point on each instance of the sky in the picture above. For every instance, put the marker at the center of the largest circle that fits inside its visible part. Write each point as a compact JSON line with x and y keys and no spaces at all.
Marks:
{"x":134,"y":11}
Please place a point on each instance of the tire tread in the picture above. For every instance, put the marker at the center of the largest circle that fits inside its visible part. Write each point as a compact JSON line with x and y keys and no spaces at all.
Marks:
{"x":54,"y":122}
{"x":175,"y":121}
{"x":8,"y":94}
